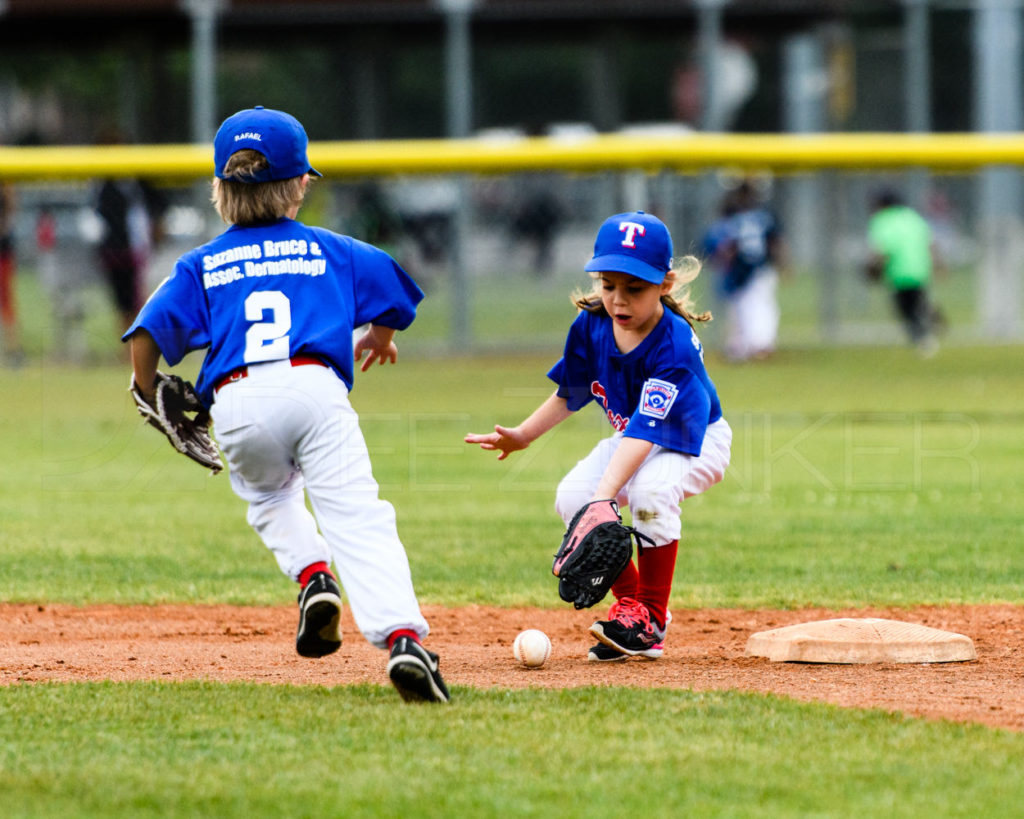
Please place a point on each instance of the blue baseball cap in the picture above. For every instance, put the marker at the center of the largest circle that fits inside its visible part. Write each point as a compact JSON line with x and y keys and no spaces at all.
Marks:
{"x":277,"y":135}
{"x":635,"y":243}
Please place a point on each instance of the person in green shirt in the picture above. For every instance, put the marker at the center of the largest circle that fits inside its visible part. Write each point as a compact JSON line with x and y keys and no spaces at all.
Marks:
{"x":903,"y":256}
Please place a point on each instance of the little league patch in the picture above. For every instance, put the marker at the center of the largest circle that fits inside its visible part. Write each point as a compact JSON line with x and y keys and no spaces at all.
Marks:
{"x":657,"y":398}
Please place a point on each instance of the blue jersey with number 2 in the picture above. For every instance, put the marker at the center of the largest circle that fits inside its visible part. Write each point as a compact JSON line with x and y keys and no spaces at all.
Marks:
{"x":271,"y":292}
{"x":658,"y":392}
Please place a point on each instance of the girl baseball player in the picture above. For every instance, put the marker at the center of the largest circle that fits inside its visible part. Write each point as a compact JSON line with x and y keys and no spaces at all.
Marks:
{"x":633,"y":349}
{"x":275,"y":303}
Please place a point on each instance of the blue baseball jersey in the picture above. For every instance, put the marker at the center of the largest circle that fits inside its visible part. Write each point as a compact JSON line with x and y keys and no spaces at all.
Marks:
{"x":749,"y":235}
{"x":273,"y":291}
{"x":659,"y":391}
{"x":753,"y":231}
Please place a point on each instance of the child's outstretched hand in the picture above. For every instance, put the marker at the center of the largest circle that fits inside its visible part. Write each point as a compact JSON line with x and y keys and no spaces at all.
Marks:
{"x":507,"y":440}
{"x":377,"y":342}
{"x":503,"y":439}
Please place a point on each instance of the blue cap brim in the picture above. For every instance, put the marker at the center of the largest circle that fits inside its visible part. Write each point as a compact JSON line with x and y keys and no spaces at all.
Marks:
{"x":630,"y":265}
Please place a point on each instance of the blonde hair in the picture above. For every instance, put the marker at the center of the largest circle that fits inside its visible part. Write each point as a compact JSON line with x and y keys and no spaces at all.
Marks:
{"x":246,"y":203}
{"x":683,"y":271}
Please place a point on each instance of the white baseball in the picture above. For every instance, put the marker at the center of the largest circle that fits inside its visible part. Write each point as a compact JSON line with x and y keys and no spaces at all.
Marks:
{"x":532,"y":648}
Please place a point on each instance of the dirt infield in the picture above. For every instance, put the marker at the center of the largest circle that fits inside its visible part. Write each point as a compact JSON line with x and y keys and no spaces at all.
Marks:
{"x":705,"y":650}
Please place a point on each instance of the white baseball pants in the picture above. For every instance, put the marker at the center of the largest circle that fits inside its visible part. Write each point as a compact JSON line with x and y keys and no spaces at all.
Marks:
{"x":753,"y":317}
{"x":286,"y":429}
{"x":656,"y":490}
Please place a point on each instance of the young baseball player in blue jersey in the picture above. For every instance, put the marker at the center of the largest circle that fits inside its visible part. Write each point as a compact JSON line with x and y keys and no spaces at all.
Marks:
{"x":275,"y":304}
{"x":633,"y":350}
{"x":748,"y":248}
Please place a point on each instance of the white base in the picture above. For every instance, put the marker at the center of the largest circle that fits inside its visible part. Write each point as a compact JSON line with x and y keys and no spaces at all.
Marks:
{"x":865,"y":640}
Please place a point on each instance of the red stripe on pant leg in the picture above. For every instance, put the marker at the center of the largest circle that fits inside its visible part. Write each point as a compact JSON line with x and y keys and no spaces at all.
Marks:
{"x":7,"y":310}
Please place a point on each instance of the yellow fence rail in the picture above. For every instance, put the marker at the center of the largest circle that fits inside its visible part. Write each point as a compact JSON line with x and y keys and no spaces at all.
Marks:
{"x":685,"y":153}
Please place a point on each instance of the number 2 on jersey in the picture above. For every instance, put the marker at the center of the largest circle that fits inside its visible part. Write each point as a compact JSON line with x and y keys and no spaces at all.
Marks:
{"x":267,"y":338}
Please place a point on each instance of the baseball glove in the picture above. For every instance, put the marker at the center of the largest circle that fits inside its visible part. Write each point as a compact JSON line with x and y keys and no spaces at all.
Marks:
{"x":595,"y":549}
{"x":178,"y":413}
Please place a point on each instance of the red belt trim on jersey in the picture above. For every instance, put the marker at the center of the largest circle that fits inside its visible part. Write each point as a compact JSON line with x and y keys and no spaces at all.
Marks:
{"x":243,"y":372}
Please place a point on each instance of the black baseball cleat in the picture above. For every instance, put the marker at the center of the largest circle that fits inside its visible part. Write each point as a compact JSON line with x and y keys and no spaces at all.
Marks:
{"x":600,"y":653}
{"x":630,"y":630}
{"x":415,"y":672}
{"x":319,"y":631}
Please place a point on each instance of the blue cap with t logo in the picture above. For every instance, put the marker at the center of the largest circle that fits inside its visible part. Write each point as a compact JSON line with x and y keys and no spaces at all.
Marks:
{"x":635,"y":243}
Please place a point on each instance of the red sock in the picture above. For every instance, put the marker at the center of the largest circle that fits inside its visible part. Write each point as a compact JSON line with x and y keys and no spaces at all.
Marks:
{"x":657,"y":565}
{"x":402,"y":632}
{"x":311,"y":570}
{"x":626,"y":584}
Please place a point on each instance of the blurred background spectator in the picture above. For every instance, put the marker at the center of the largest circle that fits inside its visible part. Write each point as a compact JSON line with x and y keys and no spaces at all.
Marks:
{"x":745,"y":248}
{"x":537,"y":218}
{"x":13,"y":351}
{"x":903,"y":257}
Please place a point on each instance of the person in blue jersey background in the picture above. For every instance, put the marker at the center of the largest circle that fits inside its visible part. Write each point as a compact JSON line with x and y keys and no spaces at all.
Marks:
{"x":747,"y":248}
{"x":633,"y":350}
{"x":275,"y":304}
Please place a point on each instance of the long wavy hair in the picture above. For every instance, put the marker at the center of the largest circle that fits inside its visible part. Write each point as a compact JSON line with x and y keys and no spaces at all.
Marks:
{"x":239,"y":202}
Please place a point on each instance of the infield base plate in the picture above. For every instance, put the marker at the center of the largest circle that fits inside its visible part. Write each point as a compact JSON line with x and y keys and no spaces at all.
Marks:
{"x":861,"y":640}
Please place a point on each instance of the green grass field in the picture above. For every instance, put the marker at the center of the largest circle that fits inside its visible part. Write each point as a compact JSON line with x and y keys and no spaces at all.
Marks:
{"x":860,"y":476}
